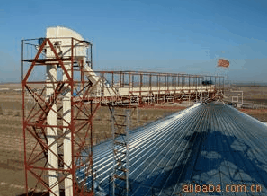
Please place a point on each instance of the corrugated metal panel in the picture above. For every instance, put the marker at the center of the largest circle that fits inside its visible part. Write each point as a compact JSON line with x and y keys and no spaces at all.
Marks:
{"x":204,"y":144}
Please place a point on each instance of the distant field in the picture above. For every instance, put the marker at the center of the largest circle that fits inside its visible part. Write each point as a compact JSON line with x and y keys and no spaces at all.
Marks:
{"x":11,"y":149}
{"x":253,"y":95}
{"x":256,"y":95}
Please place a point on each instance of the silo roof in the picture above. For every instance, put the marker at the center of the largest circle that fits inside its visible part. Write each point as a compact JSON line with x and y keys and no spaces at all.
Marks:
{"x":204,"y":144}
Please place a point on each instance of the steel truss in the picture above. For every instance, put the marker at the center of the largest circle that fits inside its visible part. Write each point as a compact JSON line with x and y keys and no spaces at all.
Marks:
{"x":76,"y":129}
{"x":116,"y":89}
{"x":146,"y":88}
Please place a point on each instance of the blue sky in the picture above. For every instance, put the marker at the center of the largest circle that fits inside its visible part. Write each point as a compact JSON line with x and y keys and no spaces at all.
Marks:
{"x":153,"y":35}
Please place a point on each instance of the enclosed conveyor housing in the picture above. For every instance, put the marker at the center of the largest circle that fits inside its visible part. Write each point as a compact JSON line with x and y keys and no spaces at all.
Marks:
{"x":61,"y":38}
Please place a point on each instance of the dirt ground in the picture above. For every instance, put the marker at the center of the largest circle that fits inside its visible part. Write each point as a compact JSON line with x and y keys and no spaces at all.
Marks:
{"x":11,"y":148}
{"x":254,"y":95}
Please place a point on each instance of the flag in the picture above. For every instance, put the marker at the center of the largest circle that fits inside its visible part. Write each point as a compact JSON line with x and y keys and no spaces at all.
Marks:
{"x":223,"y":63}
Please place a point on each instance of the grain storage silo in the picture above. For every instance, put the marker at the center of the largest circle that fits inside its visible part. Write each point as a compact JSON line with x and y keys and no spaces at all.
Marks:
{"x":205,"y":144}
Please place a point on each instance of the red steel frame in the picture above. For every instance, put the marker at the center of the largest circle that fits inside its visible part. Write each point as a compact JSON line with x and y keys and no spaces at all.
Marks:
{"x":35,"y":123}
{"x":83,"y":108}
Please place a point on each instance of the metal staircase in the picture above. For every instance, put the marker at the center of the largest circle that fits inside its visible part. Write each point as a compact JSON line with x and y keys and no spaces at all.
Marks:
{"x":120,"y":122}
